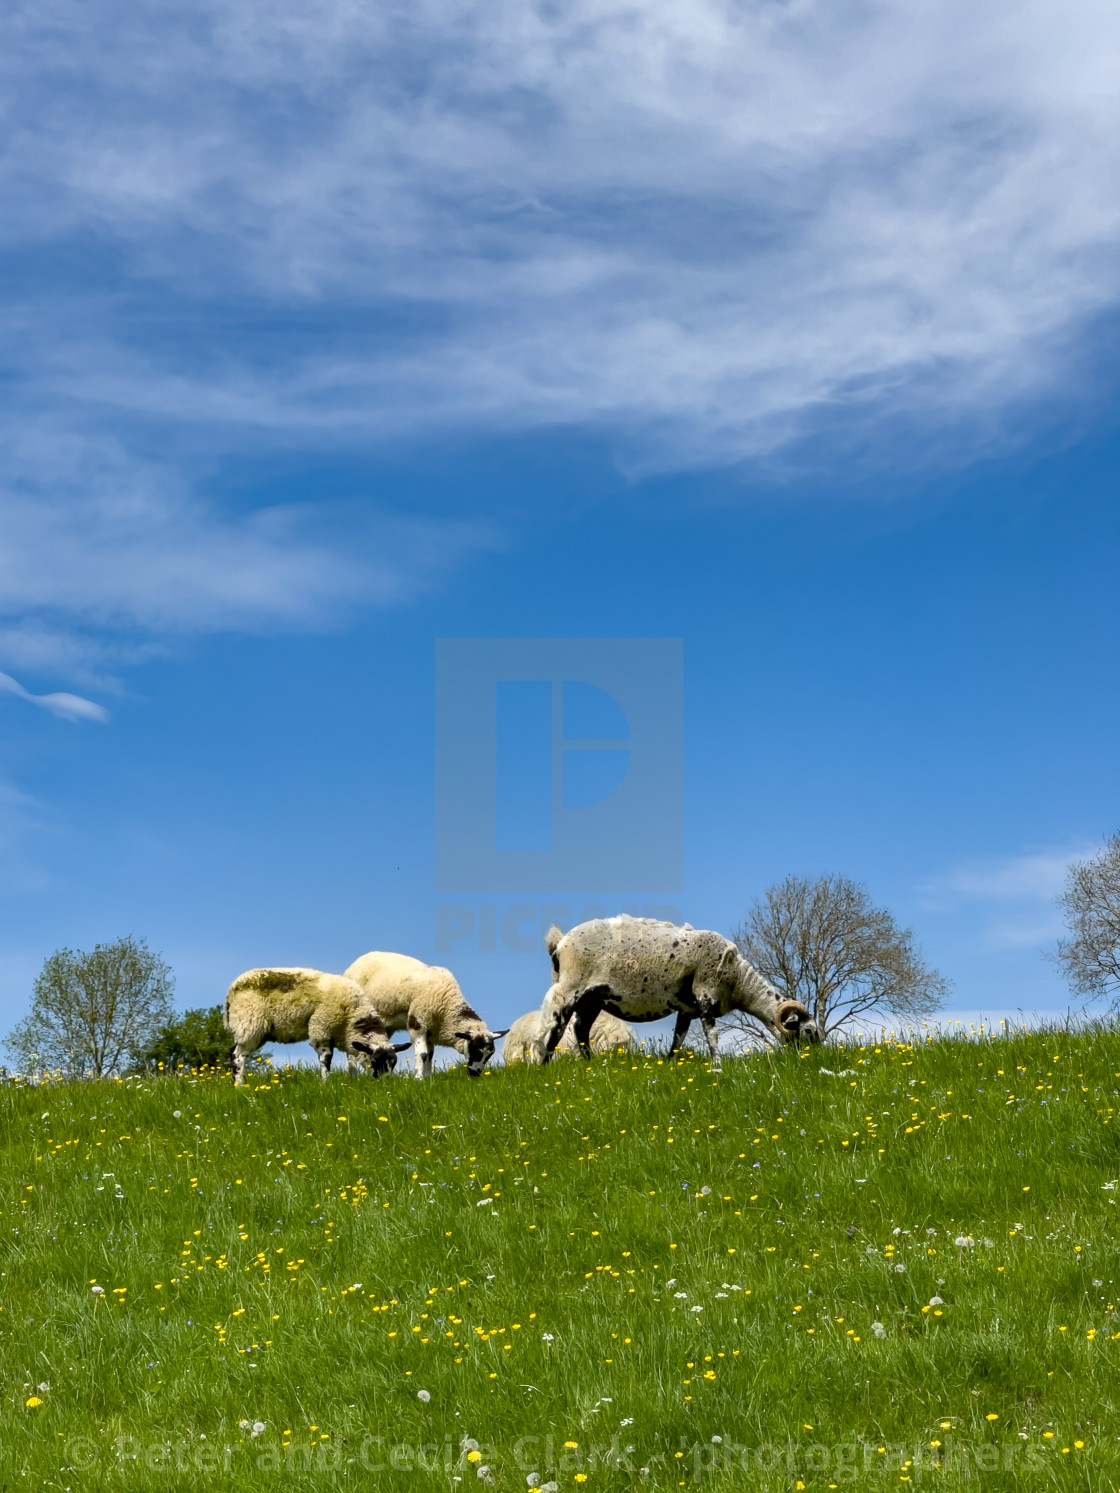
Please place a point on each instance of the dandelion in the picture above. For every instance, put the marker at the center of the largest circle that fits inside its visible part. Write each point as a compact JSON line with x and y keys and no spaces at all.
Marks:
{"x":936,"y":1301}
{"x":424,"y":1396}
{"x":878,"y":1329}
{"x":258,"y":1429}
{"x":33,"y":1402}
{"x":964,"y":1241}
{"x":533,"y":1480}
{"x":45,"y":1388}
{"x":484,"y":1473}
{"x":97,"y":1290}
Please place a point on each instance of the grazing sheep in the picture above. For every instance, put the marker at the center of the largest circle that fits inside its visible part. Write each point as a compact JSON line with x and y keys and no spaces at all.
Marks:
{"x":525,"y":1042}
{"x":305,"y":1005}
{"x":642,"y":969}
{"x":427,"y":1000}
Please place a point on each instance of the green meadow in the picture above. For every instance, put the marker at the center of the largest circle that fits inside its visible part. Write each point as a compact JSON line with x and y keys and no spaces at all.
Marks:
{"x":628,"y":1274}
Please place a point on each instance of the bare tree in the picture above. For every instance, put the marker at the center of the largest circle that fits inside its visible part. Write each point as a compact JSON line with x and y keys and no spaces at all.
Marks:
{"x":91,"y":1014}
{"x":1090,"y":956}
{"x":823,"y":943}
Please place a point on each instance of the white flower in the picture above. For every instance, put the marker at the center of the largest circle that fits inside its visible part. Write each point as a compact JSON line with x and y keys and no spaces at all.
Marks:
{"x":878,"y":1329}
{"x":547,"y":1337}
{"x":423,"y":1395}
{"x":97,"y":1290}
{"x":717,"y":1440}
{"x":721,"y":1295}
{"x":680,"y":1295}
{"x":45,"y":1388}
{"x":696,"y":1308}
{"x":936,"y":1301}
{"x":672,"y":1282}
{"x":629,"y":1421}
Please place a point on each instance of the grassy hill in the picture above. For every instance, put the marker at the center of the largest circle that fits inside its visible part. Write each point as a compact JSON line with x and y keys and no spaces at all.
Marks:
{"x":632,"y":1274}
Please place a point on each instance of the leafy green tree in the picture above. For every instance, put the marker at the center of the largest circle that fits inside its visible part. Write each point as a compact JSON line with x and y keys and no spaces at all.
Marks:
{"x":197,"y":1039}
{"x":91,"y":1013}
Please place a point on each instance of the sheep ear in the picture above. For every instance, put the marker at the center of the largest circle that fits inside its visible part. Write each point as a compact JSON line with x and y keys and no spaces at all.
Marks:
{"x":728,"y":960}
{"x":502,"y":1033}
{"x":401,"y":1046}
{"x":362,"y":1047}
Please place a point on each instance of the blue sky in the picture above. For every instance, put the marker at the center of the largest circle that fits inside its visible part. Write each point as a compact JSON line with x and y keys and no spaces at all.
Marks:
{"x":781,"y":330}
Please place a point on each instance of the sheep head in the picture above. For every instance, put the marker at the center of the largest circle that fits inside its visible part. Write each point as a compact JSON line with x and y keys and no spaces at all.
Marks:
{"x":795,"y":1023}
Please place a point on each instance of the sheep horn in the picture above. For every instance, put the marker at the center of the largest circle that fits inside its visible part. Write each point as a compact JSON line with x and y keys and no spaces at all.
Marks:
{"x":786,"y":1010}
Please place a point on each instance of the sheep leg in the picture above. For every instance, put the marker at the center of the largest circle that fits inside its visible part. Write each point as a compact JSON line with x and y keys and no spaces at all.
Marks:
{"x":708,"y":1022}
{"x":421,"y":1055}
{"x":556,"y":1012}
{"x":584,"y":1020}
{"x":324,"y":1051}
{"x":680,"y":1031}
{"x":239,"y":1059}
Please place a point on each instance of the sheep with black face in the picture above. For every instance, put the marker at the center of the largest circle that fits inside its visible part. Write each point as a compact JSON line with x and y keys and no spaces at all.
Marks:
{"x":426,"y":1000}
{"x":642,"y":969}
{"x":284,"y":1004}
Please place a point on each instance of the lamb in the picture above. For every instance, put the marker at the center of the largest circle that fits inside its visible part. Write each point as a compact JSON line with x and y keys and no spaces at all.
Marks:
{"x":643,"y":969}
{"x":524,"y":1044}
{"x":427,"y":1000}
{"x":297,"y":1005}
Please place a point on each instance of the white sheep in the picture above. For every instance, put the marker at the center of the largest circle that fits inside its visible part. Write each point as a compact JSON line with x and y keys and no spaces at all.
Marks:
{"x":525,"y":1041}
{"x":425,"y":999}
{"x":642,"y":969}
{"x":306,"y":1005}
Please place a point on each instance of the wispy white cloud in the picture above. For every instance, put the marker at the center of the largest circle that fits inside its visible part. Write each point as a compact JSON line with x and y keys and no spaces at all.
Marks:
{"x":69,"y":707}
{"x":1012,"y":899}
{"x":703,"y":227}
{"x":103,"y":553}
{"x":704,"y":230}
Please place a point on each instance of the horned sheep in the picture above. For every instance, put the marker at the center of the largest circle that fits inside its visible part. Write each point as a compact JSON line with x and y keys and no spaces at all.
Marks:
{"x":642,"y":969}
{"x":525,"y":1041}
{"x":306,"y":1005}
{"x":425,"y":999}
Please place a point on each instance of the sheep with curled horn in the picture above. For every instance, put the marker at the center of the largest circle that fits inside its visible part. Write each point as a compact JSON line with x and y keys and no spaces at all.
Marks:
{"x":642,"y":969}
{"x":525,"y":1041}
{"x":425,"y":999}
{"x":284,"y":1004}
